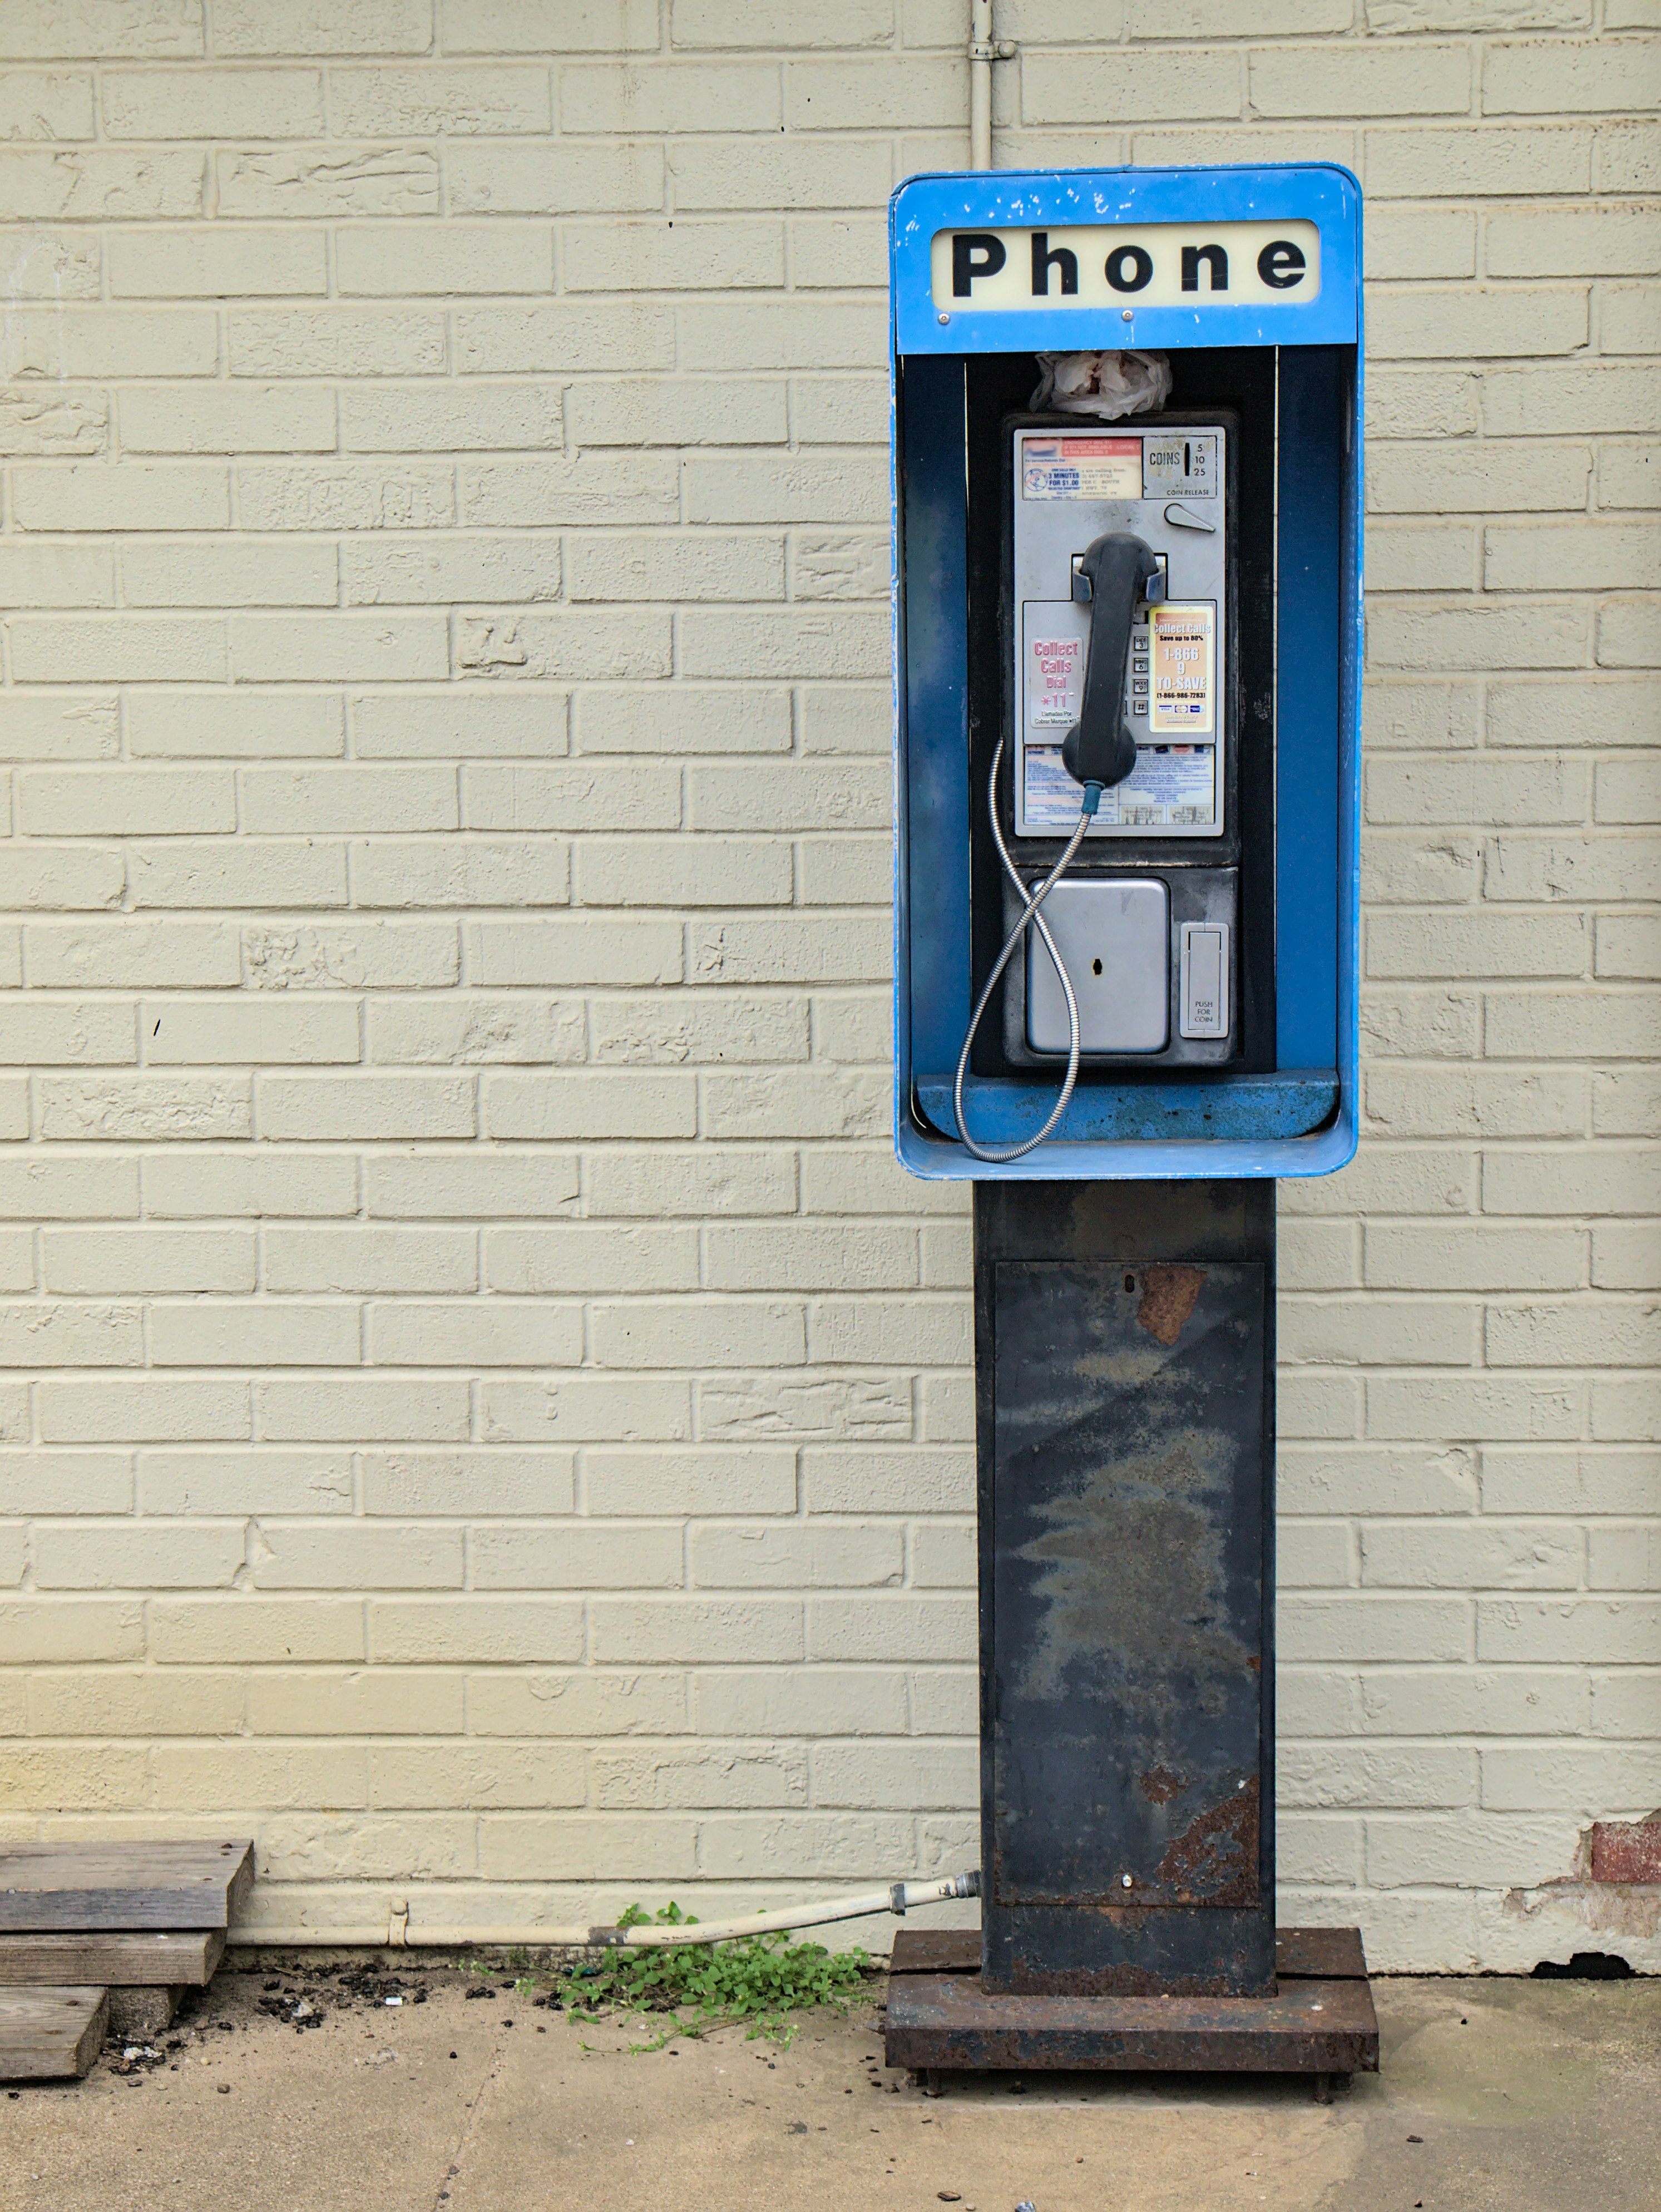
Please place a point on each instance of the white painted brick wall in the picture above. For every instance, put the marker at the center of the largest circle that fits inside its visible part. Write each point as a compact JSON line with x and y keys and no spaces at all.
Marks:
{"x":485,"y":1413}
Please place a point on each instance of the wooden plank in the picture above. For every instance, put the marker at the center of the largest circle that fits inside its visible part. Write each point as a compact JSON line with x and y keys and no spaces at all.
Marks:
{"x":122,"y":1961}
{"x":83,"y":1887}
{"x":50,"y":2034}
{"x":1310,"y":1954}
{"x":947,"y":2022}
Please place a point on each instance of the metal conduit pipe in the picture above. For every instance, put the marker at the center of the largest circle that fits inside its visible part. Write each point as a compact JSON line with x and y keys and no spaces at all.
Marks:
{"x":900,"y":1898}
{"x":983,"y":51}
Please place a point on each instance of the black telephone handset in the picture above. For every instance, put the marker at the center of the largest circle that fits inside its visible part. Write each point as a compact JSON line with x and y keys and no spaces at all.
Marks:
{"x":1112,"y":576}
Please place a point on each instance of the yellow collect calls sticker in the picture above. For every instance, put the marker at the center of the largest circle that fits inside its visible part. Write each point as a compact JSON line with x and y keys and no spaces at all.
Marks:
{"x":1185,"y":660}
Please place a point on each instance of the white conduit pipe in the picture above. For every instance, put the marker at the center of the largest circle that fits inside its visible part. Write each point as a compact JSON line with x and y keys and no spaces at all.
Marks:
{"x":980,"y":84}
{"x":900,"y":1897}
{"x":983,"y":51}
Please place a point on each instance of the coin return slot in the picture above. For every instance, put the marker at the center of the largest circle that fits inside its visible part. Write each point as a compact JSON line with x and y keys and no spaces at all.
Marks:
{"x":1203,"y":981}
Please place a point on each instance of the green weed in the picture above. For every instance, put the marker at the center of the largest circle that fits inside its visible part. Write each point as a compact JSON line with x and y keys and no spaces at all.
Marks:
{"x":761,"y":1978}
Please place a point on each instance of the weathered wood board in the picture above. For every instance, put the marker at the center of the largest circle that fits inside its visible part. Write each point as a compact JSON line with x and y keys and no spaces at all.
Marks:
{"x":49,"y":2034}
{"x":111,"y":1885}
{"x":120,"y":1960}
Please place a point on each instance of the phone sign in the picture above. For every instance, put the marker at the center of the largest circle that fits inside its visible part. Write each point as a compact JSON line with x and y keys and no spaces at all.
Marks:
{"x":1127,"y":266}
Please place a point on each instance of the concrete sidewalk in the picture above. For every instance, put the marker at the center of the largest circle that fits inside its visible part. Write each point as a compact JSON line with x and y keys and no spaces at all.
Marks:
{"x":1529,"y":2097}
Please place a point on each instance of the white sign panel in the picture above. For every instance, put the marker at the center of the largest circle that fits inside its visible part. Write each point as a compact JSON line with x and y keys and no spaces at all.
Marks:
{"x":1171,"y":787}
{"x":1121,"y":265}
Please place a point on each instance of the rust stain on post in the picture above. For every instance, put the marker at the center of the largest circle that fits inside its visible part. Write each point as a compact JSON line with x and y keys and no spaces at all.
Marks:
{"x":1215,"y":1860}
{"x":1168,"y":1298}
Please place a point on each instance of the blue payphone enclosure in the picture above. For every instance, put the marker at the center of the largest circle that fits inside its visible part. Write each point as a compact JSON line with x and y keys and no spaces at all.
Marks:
{"x":1149,"y":230}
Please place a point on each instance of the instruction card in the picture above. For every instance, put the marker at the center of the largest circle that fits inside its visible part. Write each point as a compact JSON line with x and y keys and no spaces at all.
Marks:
{"x":1080,"y":468}
{"x":1171,"y":787}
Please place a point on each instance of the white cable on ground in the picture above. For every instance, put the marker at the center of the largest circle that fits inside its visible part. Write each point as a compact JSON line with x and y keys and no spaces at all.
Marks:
{"x":900,"y":1897}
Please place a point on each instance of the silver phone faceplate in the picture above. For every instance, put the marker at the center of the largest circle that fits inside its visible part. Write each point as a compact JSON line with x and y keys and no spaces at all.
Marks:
{"x":1070,"y":486}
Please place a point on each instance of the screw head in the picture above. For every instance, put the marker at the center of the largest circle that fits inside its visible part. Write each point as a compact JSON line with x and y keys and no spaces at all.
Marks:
{"x":945,"y":319}
{"x":1125,"y":1881}
{"x":1126,"y":315}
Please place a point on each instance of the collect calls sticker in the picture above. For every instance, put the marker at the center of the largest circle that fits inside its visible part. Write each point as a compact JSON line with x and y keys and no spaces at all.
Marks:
{"x":1185,"y":660}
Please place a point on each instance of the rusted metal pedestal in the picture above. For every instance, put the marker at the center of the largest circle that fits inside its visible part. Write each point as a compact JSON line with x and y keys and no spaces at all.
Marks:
{"x":1124,"y":1357}
{"x":1319,"y":2022}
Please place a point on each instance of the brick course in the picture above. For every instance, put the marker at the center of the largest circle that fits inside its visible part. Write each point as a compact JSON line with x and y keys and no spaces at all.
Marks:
{"x":458,"y":1292}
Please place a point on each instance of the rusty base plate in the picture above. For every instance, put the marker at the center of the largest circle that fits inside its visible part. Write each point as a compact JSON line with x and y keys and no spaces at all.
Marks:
{"x":1321,"y":2021}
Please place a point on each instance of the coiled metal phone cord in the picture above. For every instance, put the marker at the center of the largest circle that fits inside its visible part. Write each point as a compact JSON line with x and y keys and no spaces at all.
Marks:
{"x":1029,"y":914}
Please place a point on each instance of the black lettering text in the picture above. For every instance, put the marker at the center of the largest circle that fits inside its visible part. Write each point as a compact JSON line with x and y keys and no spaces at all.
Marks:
{"x":1044,"y":258}
{"x":974,"y":253}
{"x":1216,"y":267}
{"x":1129,"y":269}
{"x":1281,"y":265}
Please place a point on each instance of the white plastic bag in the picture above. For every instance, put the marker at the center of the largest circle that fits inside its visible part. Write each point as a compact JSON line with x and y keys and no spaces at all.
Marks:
{"x":1107,"y":385}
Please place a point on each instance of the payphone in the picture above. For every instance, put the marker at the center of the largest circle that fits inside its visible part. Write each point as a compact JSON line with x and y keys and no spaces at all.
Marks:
{"x":1127,"y":654}
{"x":1120,"y":724}
{"x":1157,"y":617}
